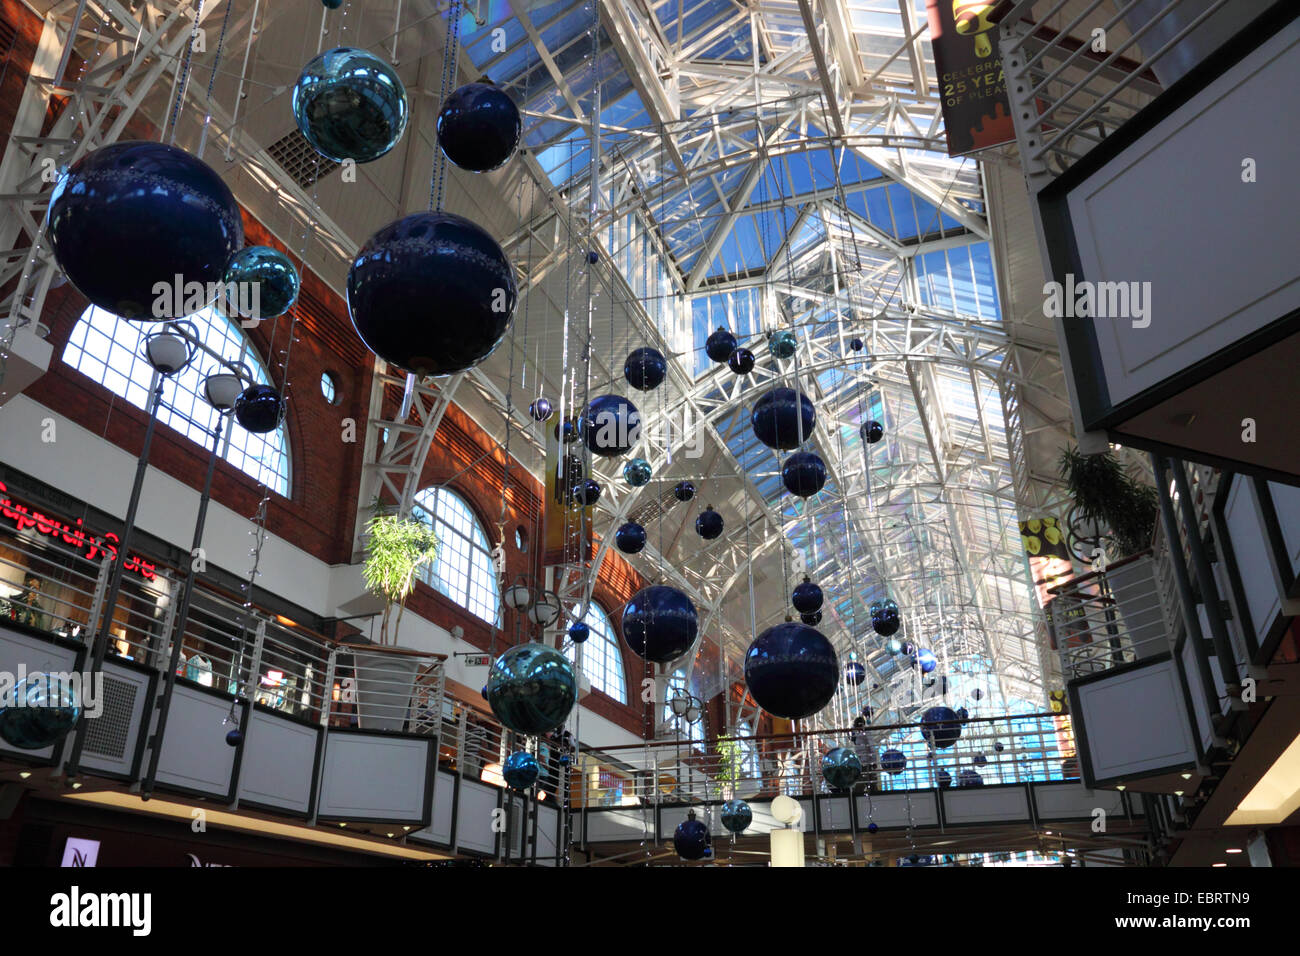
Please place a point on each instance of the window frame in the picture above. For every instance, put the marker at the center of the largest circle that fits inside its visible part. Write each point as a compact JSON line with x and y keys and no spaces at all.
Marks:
{"x":449,"y":533}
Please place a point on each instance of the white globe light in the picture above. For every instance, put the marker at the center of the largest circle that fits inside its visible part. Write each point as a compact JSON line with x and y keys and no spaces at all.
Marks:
{"x":786,"y":810}
{"x":517,"y":596}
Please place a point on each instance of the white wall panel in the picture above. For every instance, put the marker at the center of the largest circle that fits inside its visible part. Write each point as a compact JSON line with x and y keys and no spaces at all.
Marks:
{"x":1134,"y":722}
{"x":276,"y":768}
{"x":1245,"y":524}
{"x":985,"y":804}
{"x":1072,"y":801}
{"x":195,"y":754}
{"x":892,"y":809}
{"x":374,"y":777}
{"x":474,"y":817}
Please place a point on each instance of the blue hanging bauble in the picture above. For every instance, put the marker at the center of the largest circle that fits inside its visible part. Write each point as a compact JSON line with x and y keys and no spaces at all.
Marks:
{"x":941,"y":727}
{"x":963,"y":714}
{"x":803,"y":474}
{"x":259,"y":409}
{"x":885,"y":619}
{"x":854,"y":673}
{"x":645,"y":369}
{"x":40,"y":710}
{"x":969,"y":778}
{"x":585,"y":493}
{"x":708,"y":524}
{"x":807,"y":597}
{"x":260,"y":282}
{"x":570,"y":430}
{"x":873,"y":826}
{"x":630,"y":538}
{"x":593,"y":256}
{"x":812,"y":619}
{"x":660,"y":624}
{"x":691,"y":838}
{"x":719,"y":346}
{"x":479,"y":127}
{"x":943,"y":778}
{"x":782,"y":417}
{"x":350,"y":104}
{"x":735,"y":816}
{"x":520,"y":770}
{"x":841,"y":768}
{"x":431,"y":293}
{"x":872,"y":432}
{"x":637,"y":472}
{"x":893,"y":762}
{"x":610,"y":425}
{"x":782,"y":344}
{"x":980,"y":760}
{"x":741,"y":361}
{"x":540,"y":409}
{"x":579,"y":632}
{"x":792,"y":670}
{"x":925,"y":657}
{"x":131,"y":215}
{"x":856,"y":345}
{"x":234,"y":737}
{"x":531,"y":688}
{"x":999,"y":746}
{"x":684,"y":490}
{"x":332,"y":4}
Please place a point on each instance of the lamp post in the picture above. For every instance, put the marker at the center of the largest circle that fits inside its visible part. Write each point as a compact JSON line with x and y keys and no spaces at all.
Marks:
{"x":220,"y":389}
{"x":168,"y":350}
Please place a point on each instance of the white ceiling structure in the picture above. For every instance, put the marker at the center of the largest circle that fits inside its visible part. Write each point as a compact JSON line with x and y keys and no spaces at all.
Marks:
{"x":764,"y":165}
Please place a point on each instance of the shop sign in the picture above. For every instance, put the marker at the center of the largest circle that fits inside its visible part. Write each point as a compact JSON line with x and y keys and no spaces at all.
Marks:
{"x":73,"y":535}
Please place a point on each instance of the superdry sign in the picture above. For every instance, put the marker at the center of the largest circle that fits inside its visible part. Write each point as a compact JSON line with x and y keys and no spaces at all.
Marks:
{"x":91,"y":546}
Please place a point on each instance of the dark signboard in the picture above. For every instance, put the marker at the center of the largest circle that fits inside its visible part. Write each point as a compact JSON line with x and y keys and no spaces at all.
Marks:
{"x":972,"y":87}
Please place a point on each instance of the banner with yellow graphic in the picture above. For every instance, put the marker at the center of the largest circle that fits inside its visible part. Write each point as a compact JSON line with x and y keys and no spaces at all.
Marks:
{"x":972,"y":87}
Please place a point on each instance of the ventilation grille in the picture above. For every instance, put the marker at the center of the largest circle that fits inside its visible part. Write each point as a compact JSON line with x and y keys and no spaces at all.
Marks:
{"x":296,"y":157}
{"x":650,"y":512}
{"x":109,"y":733}
{"x":8,"y":34}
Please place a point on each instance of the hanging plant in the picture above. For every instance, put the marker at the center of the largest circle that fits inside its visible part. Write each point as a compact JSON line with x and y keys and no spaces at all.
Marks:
{"x":396,"y":549}
{"x":1105,"y":494}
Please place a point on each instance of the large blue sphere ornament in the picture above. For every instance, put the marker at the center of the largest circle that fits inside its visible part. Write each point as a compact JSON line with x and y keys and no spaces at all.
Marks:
{"x":736,"y":816}
{"x":579,"y":632}
{"x":841,"y":768}
{"x":660,"y":624}
{"x":610,"y":425}
{"x":782,"y":417}
{"x":540,"y":409}
{"x":637,"y":472}
{"x":925,"y":657}
{"x":630,"y":538}
{"x":803,"y":474}
{"x":431,"y":293}
{"x":260,"y":409}
{"x":943,"y":778}
{"x":719,"y":346}
{"x":684,"y":490}
{"x":585,"y":493}
{"x":893,"y":762}
{"x":262,"y":281}
{"x":854,"y":673}
{"x":807,"y":597}
{"x":531,"y":688}
{"x":782,"y":344}
{"x":969,"y":778}
{"x":41,"y":709}
{"x":941,"y":727}
{"x":350,"y":104}
{"x":885,"y":619}
{"x":645,"y":369}
{"x":520,"y":770}
{"x":691,"y":838}
{"x":741,"y":361}
{"x":479,"y":127}
{"x":134,"y":214}
{"x":708,"y":524}
{"x":792,"y":670}
{"x":872,"y":432}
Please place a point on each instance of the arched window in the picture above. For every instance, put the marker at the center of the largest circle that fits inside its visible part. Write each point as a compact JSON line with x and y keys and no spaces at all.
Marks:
{"x":108,"y":350}
{"x":463,"y":570}
{"x":678,"y":686}
{"x":602,"y":661}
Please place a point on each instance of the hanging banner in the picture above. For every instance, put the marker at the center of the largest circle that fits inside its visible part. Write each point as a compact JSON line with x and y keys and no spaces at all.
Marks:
{"x":1050,"y":565}
{"x":568,"y":534}
{"x":972,"y":87}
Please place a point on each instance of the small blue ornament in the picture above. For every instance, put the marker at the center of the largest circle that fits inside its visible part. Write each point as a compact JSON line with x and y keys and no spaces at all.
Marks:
{"x":691,"y":838}
{"x":586,"y":492}
{"x":893,"y":762}
{"x":569,"y":429}
{"x":856,"y":345}
{"x":684,"y":490}
{"x":261,"y":281}
{"x":807,"y":597}
{"x":941,"y":727}
{"x":645,"y":369}
{"x":803,"y":474}
{"x":593,"y":257}
{"x":813,"y":619}
{"x":969,"y":778}
{"x":720,"y":345}
{"x":259,"y":409}
{"x":854,"y":673}
{"x":479,"y":127}
{"x":999,"y":746}
{"x":841,"y":768}
{"x":944,"y":778}
{"x":540,"y":409}
{"x":630,"y":538}
{"x":736,"y":816}
{"x":520,"y":770}
{"x":708,"y":524}
{"x":782,"y":344}
{"x":741,"y":361}
{"x":872,"y":432}
{"x":885,"y":619}
{"x":927,"y":660}
{"x":872,"y":827}
{"x":637,"y":472}
{"x":980,"y":760}
{"x":234,"y":738}
{"x":579,"y":632}
{"x":350,"y":104}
